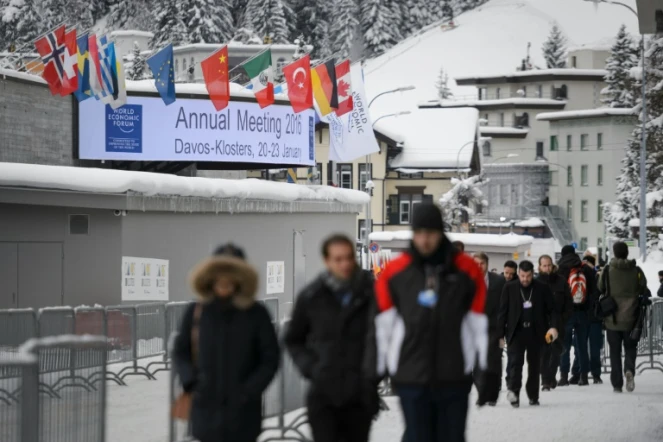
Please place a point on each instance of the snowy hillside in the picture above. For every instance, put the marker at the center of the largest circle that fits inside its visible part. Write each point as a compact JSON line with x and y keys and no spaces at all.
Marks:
{"x":491,"y":39}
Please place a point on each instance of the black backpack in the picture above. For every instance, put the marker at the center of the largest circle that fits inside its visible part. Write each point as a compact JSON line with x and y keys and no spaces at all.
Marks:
{"x":606,"y":305}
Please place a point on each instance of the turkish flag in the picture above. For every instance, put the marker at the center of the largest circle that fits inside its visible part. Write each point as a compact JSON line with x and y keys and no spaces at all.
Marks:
{"x":215,"y":72}
{"x":300,"y":92}
{"x":345,"y":103}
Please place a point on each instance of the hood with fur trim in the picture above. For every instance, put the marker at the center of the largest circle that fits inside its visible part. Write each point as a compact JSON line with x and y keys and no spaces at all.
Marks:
{"x":244,"y":275}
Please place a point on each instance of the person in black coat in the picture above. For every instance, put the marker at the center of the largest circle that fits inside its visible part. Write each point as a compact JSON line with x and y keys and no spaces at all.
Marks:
{"x":563,"y":303}
{"x":328,"y":338}
{"x":226,"y":353}
{"x":527,"y":320}
{"x":489,"y":381}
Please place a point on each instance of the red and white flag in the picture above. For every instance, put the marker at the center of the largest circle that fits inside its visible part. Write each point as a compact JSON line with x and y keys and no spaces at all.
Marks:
{"x":297,"y":76}
{"x":344,"y":87}
{"x":70,"y":64}
{"x":51,"y":48}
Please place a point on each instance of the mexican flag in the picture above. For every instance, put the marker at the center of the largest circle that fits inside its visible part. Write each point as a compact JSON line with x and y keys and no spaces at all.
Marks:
{"x":259,"y":69}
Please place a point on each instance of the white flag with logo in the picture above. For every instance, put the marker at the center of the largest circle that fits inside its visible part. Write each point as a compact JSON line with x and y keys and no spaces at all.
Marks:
{"x":351,"y":135}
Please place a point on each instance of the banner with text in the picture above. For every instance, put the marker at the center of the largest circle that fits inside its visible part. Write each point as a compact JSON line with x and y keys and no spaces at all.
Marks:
{"x":192,"y":130}
{"x":144,"y":279}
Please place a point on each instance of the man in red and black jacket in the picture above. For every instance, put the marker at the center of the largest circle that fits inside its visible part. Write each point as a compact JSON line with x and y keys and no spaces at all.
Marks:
{"x":431,"y":329}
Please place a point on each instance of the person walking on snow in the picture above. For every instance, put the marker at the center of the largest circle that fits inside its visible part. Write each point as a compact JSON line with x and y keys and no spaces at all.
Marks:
{"x":330,"y":333}
{"x":488,"y":382}
{"x":509,"y":273}
{"x":431,"y":329}
{"x":582,"y":282}
{"x":226,"y":353}
{"x":550,"y":354}
{"x":527,"y":322}
{"x":623,"y":280}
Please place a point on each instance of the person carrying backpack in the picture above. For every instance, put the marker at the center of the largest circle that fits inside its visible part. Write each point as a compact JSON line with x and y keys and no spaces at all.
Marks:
{"x":582,"y":283}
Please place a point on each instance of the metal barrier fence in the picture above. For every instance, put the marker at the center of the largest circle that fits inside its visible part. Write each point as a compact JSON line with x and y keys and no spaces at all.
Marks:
{"x":35,"y":411}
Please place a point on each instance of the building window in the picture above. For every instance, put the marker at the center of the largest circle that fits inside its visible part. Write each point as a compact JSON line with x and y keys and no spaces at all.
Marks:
{"x":584,"y":181}
{"x":487,"y":148}
{"x":583,"y":211}
{"x":599,"y":214}
{"x":553,"y":143}
{"x":569,"y":142}
{"x":483,"y":93}
{"x":361,"y":230}
{"x":574,"y":61}
{"x":524,"y":89}
{"x":569,"y":176}
{"x":364,"y":177}
{"x":599,"y":175}
{"x":399,"y":207}
{"x":193,"y":62}
{"x":539,"y":149}
{"x":583,"y":141}
{"x":539,"y":91}
{"x":497,"y":93}
{"x":583,"y":243}
{"x":411,"y":176}
{"x":505,"y":190}
{"x":314,"y":175}
{"x":502,"y":119}
{"x":344,"y":176}
{"x":274,"y":175}
{"x":404,"y":209}
{"x":599,"y":141}
{"x":553,"y":177}
{"x":177,"y":65}
{"x":569,"y":210}
{"x":280,"y":63}
{"x":184,"y":64}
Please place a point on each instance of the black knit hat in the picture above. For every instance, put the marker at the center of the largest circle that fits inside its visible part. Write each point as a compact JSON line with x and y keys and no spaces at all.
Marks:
{"x":229,"y":250}
{"x":427,"y":216}
{"x":590,"y":259}
{"x":568,"y":250}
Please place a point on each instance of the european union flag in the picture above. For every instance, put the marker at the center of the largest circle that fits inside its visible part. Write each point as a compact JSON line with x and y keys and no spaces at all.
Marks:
{"x":161,"y":65}
{"x":83,"y":92}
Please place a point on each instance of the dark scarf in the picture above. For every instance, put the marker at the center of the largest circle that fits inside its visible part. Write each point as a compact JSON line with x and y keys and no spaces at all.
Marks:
{"x":341,"y":289}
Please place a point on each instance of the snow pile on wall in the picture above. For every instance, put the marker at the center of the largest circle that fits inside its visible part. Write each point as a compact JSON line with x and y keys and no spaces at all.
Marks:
{"x":150,"y":184}
{"x":530,"y":222}
{"x":587,"y":113}
{"x":473,"y":239}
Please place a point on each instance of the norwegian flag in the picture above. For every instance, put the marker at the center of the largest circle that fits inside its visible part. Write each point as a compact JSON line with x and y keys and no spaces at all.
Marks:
{"x":345,"y":103}
{"x":51,"y":48}
{"x":70,"y":64}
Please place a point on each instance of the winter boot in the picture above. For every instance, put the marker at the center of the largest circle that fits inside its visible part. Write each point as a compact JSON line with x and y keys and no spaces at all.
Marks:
{"x":597,"y":380}
{"x":545,"y":387}
{"x":534,"y":402}
{"x":513,"y":399}
{"x":630,"y":382}
{"x":575,"y":379}
{"x":553,"y":384}
{"x":583,"y":380}
{"x":563,"y":380}
{"x":617,"y":390}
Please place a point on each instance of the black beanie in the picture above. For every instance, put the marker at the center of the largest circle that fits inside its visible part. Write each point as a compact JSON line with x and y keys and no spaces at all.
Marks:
{"x":590,"y":259}
{"x":568,"y":250}
{"x":427,"y":216}
{"x":229,"y":250}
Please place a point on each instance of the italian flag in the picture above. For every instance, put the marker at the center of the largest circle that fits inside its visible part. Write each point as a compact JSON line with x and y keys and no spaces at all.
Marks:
{"x":259,"y":69}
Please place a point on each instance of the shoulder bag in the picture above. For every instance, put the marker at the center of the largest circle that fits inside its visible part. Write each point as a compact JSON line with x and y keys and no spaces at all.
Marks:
{"x":181,"y":407}
{"x":607,"y":305}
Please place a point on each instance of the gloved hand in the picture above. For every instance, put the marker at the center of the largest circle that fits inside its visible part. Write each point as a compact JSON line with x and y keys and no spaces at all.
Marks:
{"x":551,"y":335}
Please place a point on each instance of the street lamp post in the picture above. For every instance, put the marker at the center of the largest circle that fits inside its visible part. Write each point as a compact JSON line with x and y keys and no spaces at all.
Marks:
{"x":643,"y":141}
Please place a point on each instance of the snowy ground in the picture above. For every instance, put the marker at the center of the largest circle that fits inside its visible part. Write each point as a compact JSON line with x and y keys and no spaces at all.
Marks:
{"x":594,"y":413}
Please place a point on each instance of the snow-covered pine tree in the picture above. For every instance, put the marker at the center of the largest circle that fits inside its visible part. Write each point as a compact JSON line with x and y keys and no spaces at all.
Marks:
{"x":80,"y":12}
{"x":417,"y":17}
{"x":122,"y":13}
{"x":467,"y":5}
{"x":447,"y":11}
{"x":169,"y":24}
{"x":442,"y":86}
{"x":54,"y":12}
{"x":135,"y":66}
{"x":459,"y":203}
{"x":246,"y":36}
{"x":99,"y":8}
{"x":21,"y":21}
{"x":343,"y":27}
{"x":379,"y":27}
{"x":267,"y":19}
{"x":435,"y":10}
{"x":554,"y":49}
{"x":301,"y":48}
{"x":209,"y":21}
{"x":290,"y":20}
{"x":238,"y":10}
{"x":623,"y":56}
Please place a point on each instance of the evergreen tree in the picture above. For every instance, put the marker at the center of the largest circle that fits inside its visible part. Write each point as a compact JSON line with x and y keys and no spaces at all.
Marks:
{"x":54,"y":12}
{"x":623,"y":56}
{"x":21,"y":23}
{"x":238,"y":10}
{"x":435,"y":10}
{"x":379,"y":27}
{"x":459,"y":203}
{"x":80,"y":12}
{"x":554,"y":49}
{"x":135,"y":66}
{"x":418,"y":16}
{"x":169,"y":24}
{"x":290,"y":20}
{"x":99,"y":8}
{"x":447,"y":11}
{"x":247,"y":37}
{"x":267,"y":19}
{"x":209,"y":21}
{"x":343,"y":28}
{"x":467,"y":5}
{"x":442,"y":85}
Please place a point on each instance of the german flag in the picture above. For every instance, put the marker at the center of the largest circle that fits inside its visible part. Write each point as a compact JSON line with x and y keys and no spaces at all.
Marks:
{"x":325,"y":88}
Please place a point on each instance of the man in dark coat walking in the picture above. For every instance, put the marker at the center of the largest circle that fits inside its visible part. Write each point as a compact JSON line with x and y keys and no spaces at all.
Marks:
{"x":328,"y":338}
{"x":489,"y":381}
{"x":226,"y":353}
{"x":527,"y":320}
{"x":563,"y":303}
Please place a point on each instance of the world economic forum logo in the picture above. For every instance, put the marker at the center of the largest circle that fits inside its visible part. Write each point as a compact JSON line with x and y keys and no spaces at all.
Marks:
{"x":124,"y":129}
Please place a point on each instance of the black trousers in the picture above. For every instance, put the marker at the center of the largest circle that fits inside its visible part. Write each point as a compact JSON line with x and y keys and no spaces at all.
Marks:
{"x":525,"y":342}
{"x":615,"y":340}
{"x":349,"y":423}
{"x":550,"y":358}
{"x":434,"y":414}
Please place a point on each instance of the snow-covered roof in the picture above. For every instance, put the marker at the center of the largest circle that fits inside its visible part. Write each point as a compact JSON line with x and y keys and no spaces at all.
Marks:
{"x":516,"y":101}
{"x":586,"y":113}
{"x":509,"y":77}
{"x":233,"y":45}
{"x":21,"y":75}
{"x":527,"y":223}
{"x":498,"y":130}
{"x":109,"y":181}
{"x":603,"y":44}
{"x":489,"y":40}
{"x":433,"y":138}
{"x":131,"y":33}
{"x":471,"y":239}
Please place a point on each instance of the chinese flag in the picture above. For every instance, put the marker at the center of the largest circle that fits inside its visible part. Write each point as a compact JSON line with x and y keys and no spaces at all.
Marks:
{"x":298,"y":77}
{"x":215,"y":71}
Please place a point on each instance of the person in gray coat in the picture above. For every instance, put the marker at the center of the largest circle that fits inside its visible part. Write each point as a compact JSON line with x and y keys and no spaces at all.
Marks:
{"x":625,"y":282}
